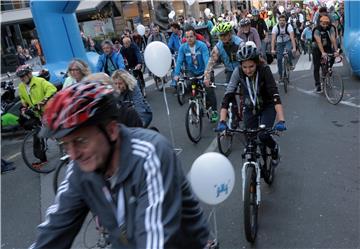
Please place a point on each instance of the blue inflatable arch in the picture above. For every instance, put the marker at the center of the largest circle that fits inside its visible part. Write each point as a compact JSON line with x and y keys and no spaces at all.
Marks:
{"x":59,"y":34}
{"x":352,"y":35}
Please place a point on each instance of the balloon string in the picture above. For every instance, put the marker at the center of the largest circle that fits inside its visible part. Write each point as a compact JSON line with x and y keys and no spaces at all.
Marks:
{"x":168,"y":113}
{"x":213,"y":224}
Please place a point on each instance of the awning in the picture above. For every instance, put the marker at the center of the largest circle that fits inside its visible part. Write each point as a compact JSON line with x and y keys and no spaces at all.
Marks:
{"x":19,"y":16}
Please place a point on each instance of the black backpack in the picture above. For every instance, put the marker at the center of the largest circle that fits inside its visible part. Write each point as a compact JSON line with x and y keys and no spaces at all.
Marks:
{"x":286,"y":29}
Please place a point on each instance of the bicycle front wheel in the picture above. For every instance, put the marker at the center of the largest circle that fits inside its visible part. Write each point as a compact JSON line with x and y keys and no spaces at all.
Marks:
{"x":47,"y":151}
{"x":193,"y":122}
{"x":334,"y":88}
{"x":250,"y":205}
{"x":224,"y":142}
{"x":180,"y":91}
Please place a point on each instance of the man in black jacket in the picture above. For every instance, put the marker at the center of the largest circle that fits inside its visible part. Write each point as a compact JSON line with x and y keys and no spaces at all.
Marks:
{"x":133,"y":60}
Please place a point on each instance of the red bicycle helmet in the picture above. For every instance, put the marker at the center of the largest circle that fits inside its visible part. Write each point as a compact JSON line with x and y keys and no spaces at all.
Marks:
{"x":23,"y":70}
{"x":82,"y":104}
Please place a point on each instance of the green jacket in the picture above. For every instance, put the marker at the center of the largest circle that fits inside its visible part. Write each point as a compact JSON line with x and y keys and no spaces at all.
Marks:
{"x":40,"y":89}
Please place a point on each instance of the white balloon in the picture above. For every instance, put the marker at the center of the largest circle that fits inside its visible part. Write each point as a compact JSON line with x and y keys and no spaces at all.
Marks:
{"x":171,"y":14}
{"x":140,"y":29}
{"x":281,"y":9}
{"x":207,"y":11}
{"x":158,"y":58}
{"x":190,"y":2}
{"x":212,"y":178}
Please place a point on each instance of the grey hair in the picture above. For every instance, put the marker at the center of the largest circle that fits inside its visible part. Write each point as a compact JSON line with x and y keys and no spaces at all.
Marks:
{"x":81,"y":65}
{"x":126,"y":77}
{"x":107,"y":42}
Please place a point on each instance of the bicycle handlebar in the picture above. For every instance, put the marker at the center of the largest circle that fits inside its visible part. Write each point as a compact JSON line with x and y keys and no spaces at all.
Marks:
{"x":270,"y":131}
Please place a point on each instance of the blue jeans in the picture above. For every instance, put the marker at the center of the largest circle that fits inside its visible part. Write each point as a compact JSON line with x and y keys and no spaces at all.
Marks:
{"x":280,"y":47}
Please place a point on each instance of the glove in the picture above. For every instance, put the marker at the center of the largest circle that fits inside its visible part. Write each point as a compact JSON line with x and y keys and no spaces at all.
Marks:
{"x":222,"y":126}
{"x":280,"y":126}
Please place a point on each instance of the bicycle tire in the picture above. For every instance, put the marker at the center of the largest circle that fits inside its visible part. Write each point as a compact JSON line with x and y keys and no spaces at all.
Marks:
{"x":309,"y":52}
{"x":268,"y":167}
{"x":193,"y":118}
{"x":180,"y":92}
{"x":159,"y":84}
{"x":286,"y":83}
{"x":59,"y":174}
{"x":28,"y":155}
{"x":250,"y":205}
{"x":334,"y":84}
{"x":224,"y":142}
{"x":285,"y":74}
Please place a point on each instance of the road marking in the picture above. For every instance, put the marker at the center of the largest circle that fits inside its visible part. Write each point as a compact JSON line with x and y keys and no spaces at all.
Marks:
{"x":312,"y":93}
{"x":303,"y":63}
{"x":13,"y":156}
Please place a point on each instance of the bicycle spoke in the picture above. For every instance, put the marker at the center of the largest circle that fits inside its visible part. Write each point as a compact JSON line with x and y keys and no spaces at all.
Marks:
{"x":334,"y":88}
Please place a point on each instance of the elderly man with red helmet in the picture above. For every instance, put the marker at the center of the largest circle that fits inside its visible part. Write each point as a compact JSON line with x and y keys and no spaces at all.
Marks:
{"x":130,"y":178}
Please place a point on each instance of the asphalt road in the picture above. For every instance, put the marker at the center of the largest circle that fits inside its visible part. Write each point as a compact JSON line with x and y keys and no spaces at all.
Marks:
{"x":313,"y":203}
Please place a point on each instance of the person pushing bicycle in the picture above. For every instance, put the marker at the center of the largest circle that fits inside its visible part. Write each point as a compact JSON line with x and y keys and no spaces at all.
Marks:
{"x":262,"y":102}
{"x":130,"y":178}
{"x":34,"y":92}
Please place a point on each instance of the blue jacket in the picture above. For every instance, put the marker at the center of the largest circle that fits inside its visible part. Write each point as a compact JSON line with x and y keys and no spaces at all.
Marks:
{"x":117,"y":59}
{"x":202,"y":58}
{"x":174,"y":42}
{"x":209,"y":25}
{"x":230,"y":65}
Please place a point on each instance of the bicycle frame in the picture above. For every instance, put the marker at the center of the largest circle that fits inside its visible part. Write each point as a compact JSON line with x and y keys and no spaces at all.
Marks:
{"x":198,"y":93}
{"x":252,"y":154}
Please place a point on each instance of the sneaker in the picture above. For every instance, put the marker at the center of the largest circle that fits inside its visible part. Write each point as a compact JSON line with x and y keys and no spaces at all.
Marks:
{"x":318,"y":89}
{"x":38,"y":165}
{"x":7,"y":167}
{"x":291,"y":67}
{"x":275,"y":155}
{"x":214,"y":117}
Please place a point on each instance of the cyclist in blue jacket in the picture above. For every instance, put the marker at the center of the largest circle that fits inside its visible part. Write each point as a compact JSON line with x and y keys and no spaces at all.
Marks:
{"x":109,"y":61}
{"x":195,"y":55}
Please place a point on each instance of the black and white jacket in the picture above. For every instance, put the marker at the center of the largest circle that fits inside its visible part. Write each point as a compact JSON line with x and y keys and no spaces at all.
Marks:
{"x":150,"y":204}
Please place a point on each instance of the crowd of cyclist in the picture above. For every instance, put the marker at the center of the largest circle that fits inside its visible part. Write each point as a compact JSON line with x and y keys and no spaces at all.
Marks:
{"x":246,"y":43}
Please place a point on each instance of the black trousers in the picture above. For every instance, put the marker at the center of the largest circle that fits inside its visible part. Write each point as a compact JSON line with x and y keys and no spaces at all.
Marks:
{"x":317,"y":64}
{"x":39,"y":146}
{"x":267,"y":117}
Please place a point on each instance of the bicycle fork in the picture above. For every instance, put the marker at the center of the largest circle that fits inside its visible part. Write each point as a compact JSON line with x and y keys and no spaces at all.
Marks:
{"x":258,"y":177}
